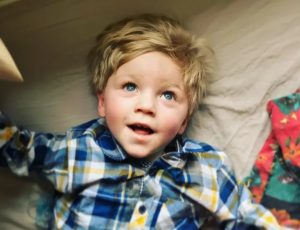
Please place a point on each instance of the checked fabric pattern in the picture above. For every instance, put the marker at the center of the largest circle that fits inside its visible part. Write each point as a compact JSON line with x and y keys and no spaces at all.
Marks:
{"x":100,"y":187}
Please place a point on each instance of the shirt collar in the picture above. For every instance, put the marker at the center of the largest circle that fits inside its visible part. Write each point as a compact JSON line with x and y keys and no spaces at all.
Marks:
{"x":101,"y":134}
{"x":174,"y":154}
{"x":110,"y":147}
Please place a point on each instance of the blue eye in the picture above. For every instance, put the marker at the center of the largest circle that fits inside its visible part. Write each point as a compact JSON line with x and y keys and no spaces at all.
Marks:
{"x":130,"y":87}
{"x":168,"y":95}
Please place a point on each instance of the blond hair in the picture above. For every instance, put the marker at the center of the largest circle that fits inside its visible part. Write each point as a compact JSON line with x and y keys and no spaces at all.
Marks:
{"x":124,"y":40}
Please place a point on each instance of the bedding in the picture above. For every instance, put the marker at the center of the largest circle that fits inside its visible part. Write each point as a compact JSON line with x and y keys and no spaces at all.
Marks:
{"x":257,"y":46}
{"x":258,"y":53}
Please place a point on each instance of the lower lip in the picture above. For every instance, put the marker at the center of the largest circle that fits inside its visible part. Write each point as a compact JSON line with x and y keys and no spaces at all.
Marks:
{"x":141,"y":132}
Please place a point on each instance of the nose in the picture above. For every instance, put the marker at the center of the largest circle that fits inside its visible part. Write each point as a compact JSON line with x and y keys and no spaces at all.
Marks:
{"x":146,"y":103}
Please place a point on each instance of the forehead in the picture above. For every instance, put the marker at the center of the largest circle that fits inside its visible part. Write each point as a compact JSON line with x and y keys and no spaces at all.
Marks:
{"x":154,"y":65}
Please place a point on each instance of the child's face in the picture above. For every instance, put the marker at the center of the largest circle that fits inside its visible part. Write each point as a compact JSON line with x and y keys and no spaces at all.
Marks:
{"x":145,"y":104}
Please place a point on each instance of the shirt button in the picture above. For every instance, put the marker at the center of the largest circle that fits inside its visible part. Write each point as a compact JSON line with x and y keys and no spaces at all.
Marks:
{"x":142,"y":209}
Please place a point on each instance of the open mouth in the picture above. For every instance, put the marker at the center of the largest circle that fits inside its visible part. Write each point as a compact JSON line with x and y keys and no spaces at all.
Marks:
{"x":141,"y":129}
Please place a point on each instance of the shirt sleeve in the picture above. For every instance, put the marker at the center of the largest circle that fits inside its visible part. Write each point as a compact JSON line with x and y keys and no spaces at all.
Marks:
{"x":236,"y":208}
{"x":41,"y":154}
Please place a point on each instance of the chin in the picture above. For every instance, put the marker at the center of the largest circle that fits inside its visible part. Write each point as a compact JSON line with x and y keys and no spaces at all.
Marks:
{"x":139,"y":155}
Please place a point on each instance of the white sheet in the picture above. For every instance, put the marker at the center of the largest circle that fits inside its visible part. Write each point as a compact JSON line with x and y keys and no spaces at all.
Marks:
{"x":257,"y":46}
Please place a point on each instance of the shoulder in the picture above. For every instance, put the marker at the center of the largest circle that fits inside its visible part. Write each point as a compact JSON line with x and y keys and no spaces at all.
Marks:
{"x":204,"y":153}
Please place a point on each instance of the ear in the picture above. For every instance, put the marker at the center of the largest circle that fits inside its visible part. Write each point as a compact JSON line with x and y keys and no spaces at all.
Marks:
{"x":183,"y":126}
{"x":101,"y":104}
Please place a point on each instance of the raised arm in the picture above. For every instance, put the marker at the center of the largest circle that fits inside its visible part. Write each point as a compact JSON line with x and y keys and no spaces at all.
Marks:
{"x":28,"y":152}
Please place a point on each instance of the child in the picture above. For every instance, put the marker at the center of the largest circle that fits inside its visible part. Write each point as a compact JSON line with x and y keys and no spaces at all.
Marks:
{"x":133,"y":168}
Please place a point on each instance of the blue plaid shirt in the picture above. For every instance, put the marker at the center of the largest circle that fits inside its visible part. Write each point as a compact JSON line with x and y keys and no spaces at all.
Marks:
{"x":101,"y":187}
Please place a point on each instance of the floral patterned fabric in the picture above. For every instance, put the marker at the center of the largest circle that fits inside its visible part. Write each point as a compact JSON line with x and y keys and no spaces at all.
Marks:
{"x":275,"y":178}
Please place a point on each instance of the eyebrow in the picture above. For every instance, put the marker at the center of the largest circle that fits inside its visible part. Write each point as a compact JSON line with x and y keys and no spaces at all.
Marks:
{"x":177,"y":86}
{"x":164,"y":83}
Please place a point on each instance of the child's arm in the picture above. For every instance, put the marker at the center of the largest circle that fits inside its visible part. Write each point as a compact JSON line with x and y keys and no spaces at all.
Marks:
{"x":28,"y":152}
{"x":236,"y":199}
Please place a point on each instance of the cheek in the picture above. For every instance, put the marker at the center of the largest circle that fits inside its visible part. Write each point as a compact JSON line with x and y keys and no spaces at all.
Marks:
{"x":115,"y":110}
{"x":173,"y":126}
{"x":174,"y":122}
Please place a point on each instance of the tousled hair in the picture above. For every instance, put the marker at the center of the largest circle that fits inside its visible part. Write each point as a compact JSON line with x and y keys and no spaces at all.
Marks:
{"x":126,"y":39}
